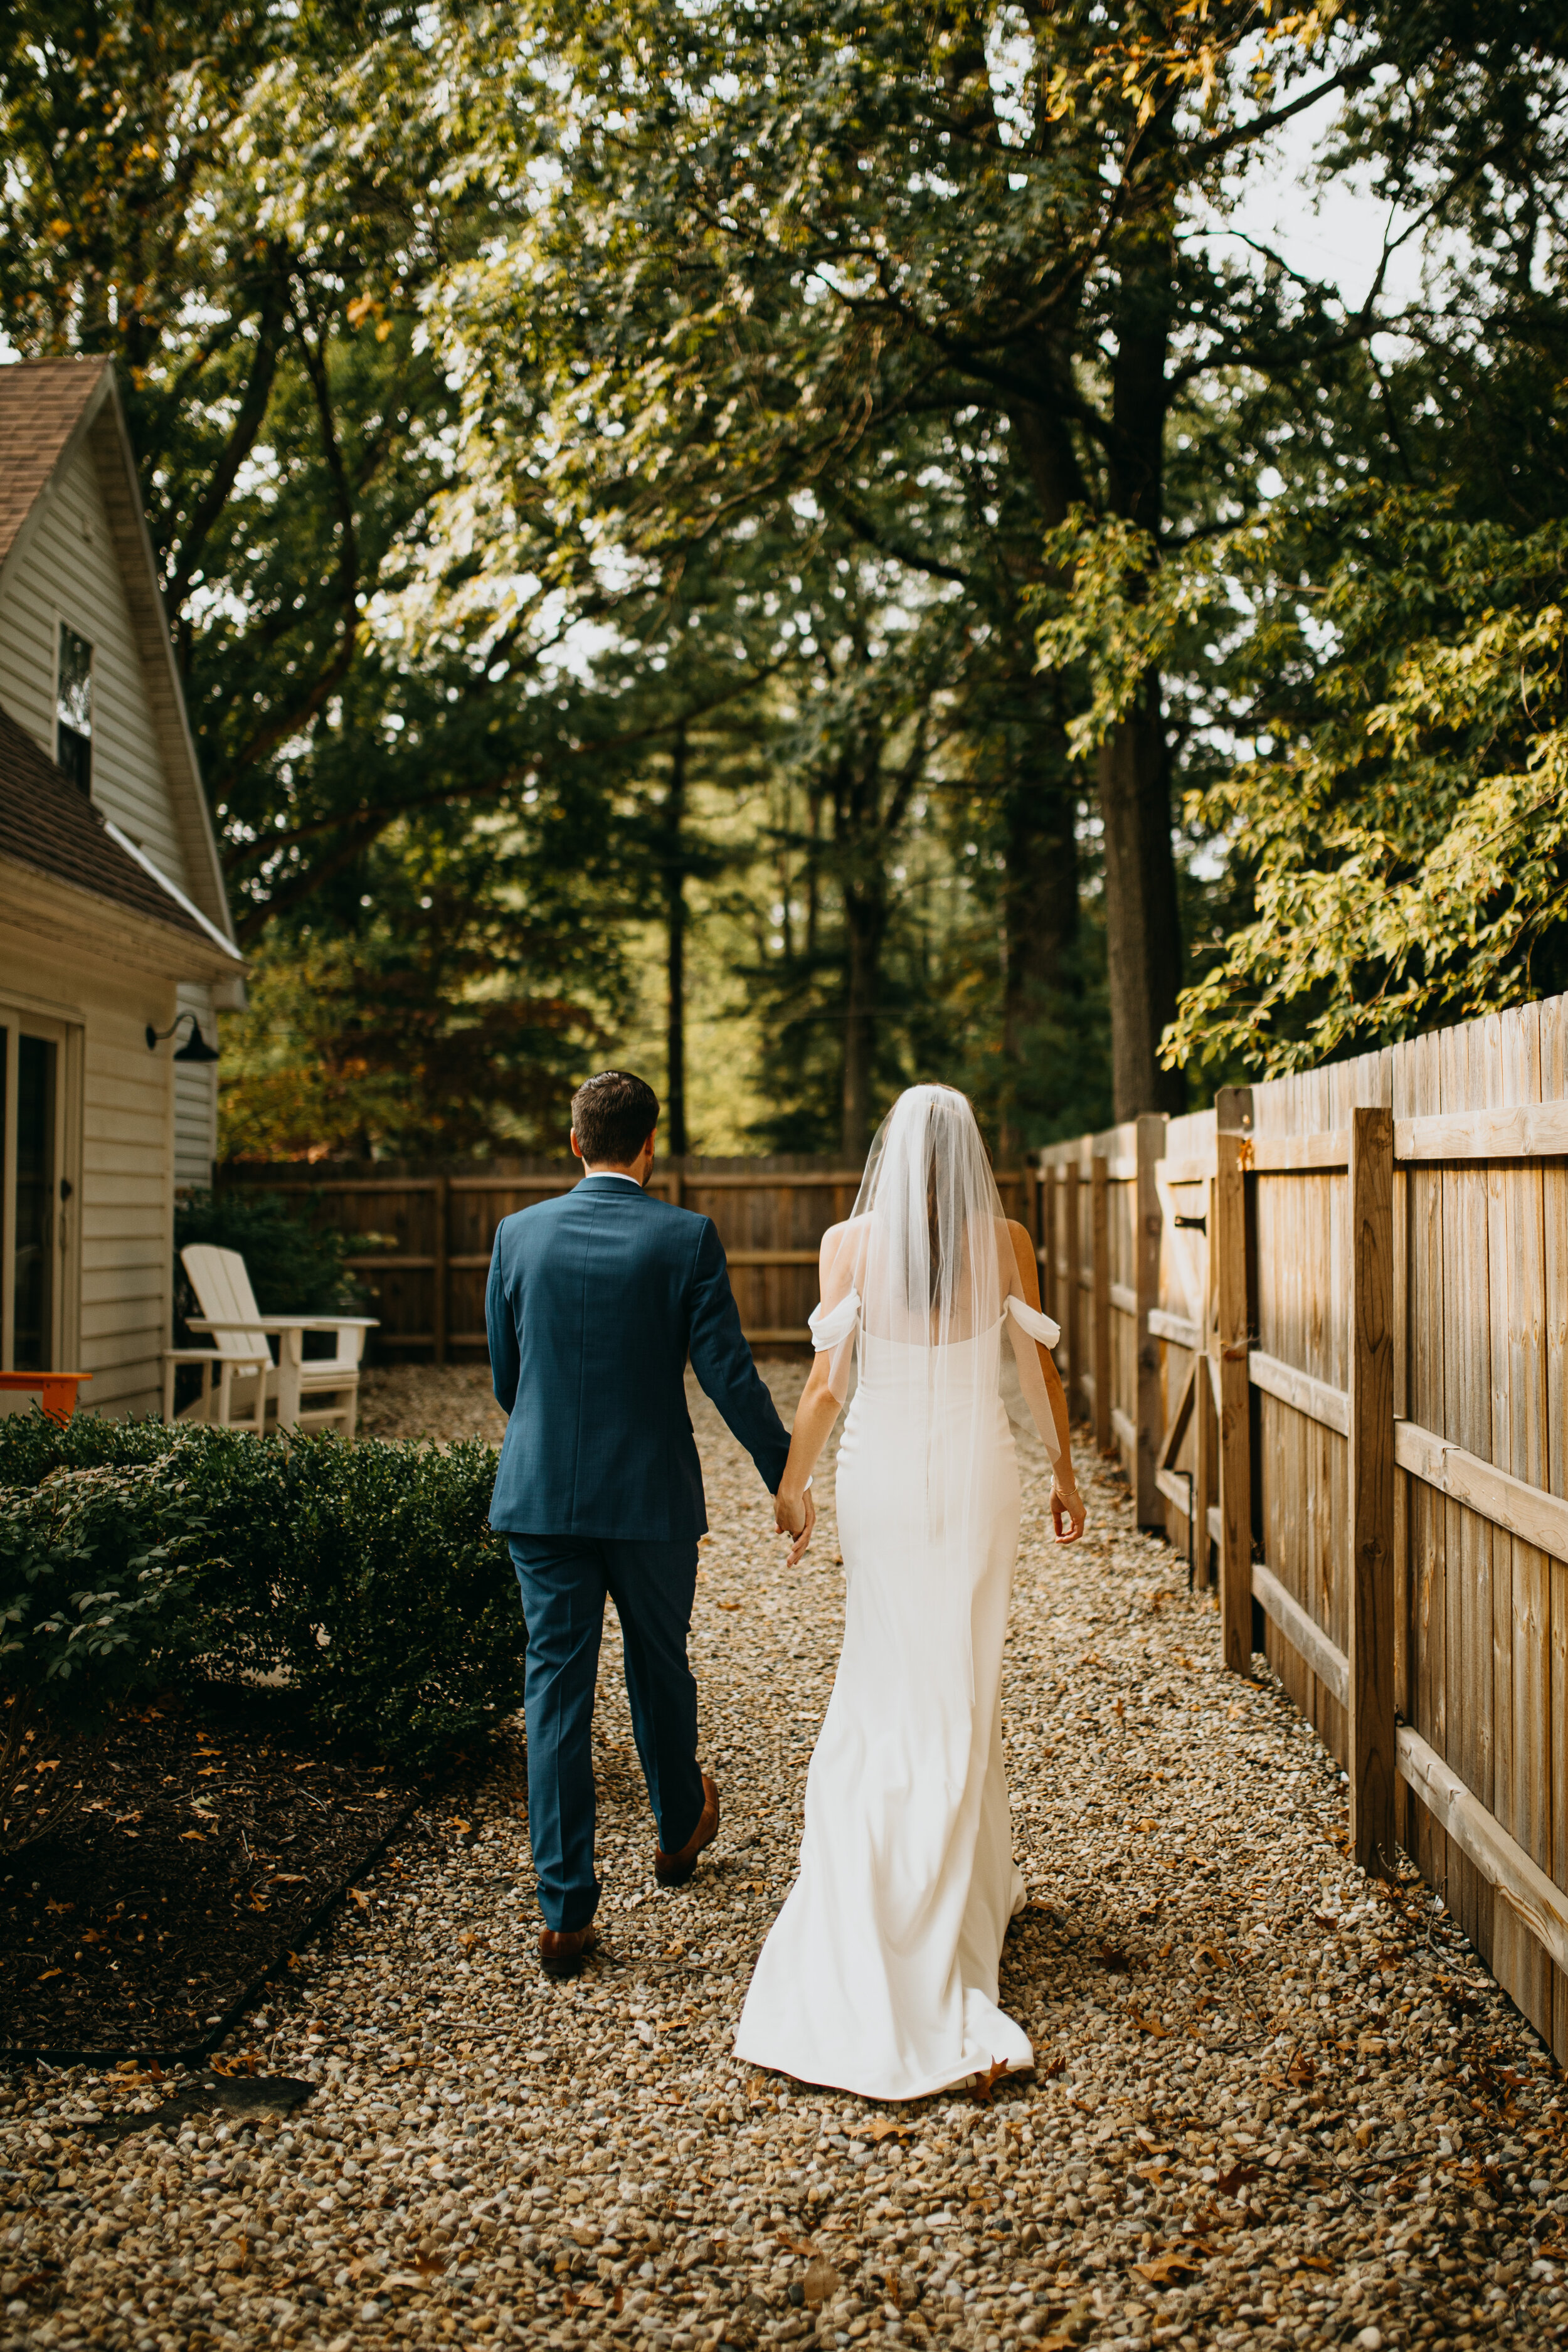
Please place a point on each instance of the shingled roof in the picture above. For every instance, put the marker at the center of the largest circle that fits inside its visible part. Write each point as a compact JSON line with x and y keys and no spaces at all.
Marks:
{"x":51,"y":410}
{"x":42,"y":403}
{"x":48,"y":823}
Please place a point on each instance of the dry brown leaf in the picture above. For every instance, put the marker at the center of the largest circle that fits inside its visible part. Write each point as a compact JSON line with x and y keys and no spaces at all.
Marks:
{"x":981,"y":2088}
{"x":1229,"y":2182}
{"x":356,"y":1897}
{"x":821,"y":2281}
{"x":1149,"y":2025}
{"x":729,"y":1604}
{"x":1314,"y":2262}
{"x":1169,"y":2266}
{"x":886,"y":2129}
{"x":1114,"y":1960}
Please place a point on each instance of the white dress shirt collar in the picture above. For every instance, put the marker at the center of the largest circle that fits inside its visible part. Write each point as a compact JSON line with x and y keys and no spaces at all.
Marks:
{"x":619,"y":1175}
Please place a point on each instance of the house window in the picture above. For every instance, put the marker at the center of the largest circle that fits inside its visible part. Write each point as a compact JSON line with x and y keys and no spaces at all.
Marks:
{"x":73,"y":708}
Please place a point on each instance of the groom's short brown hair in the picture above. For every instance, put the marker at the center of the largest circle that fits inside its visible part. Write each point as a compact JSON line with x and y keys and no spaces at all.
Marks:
{"x":613,"y":1114}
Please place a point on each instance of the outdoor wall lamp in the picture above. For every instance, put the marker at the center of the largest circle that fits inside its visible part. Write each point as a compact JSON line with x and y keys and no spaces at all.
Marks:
{"x":195,"y":1047}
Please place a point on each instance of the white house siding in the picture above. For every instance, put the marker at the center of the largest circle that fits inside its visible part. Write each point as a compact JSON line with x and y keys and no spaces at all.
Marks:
{"x":196,"y":1098}
{"x":70,"y":571}
{"x":126,"y":1238}
{"x":119,"y":1296}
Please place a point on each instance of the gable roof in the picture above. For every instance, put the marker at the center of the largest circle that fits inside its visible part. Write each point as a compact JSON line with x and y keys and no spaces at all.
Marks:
{"x":49,"y":410}
{"x":42,"y":403}
{"x":48,"y":823}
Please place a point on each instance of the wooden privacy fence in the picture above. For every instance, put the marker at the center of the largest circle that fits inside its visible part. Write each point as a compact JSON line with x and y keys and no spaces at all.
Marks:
{"x":1325,"y":1328}
{"x":420,"y":1240}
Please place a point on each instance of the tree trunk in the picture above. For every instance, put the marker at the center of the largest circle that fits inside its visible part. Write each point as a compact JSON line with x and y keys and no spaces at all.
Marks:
{"x":1142,"y":929}
{"x":676,"y":1142}
{"x":1039,"y":931}
{"x":865,"y":926}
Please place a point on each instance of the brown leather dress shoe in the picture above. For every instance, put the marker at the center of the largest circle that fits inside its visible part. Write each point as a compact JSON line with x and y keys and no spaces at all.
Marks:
{"x":675,"y":1869}
{"x":562,"y":1950}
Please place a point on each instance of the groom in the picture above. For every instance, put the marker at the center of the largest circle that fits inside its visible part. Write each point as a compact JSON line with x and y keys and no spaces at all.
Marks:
{"x":594,"y":1300}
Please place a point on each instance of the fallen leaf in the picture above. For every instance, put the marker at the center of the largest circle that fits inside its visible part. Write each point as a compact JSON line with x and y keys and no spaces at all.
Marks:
{"x":1114,"y":1960}
{"x":886,"y":2129}
{"x":47,"y":1974}
{"x":821,"y":2281}
{"x":287,"y":1878}
{"x":1073,"y":2326}
{"x":729,"y":1604}
{"x":356,"y":1897}
{"x":1053,"y":2067}
{"x":981,"y":2088}
{"x":1314,"y":2262}
{"x":462,"y":1828}
{"x":1149,"y":2025}
{"x":1229,"y":2182}
{"x":1169,"y":2266}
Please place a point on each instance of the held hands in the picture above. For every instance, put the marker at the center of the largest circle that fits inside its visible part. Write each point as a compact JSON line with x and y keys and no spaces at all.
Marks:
{"x":795,"y":1516}
{"x":1067,"y":1504}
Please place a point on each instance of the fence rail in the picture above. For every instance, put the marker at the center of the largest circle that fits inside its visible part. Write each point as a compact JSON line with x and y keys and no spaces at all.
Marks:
{"x":425,"y":1239}
{"x":1325,"y":1326}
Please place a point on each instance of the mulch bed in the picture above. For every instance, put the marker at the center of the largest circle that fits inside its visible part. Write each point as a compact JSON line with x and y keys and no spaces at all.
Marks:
{"x":209,"y":1838}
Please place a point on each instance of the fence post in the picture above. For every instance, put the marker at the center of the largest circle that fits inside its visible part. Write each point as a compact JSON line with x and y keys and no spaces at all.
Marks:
{"x":1206,"y":1429}
{"x":441,"y":1207}
{"x":1232,"y":1152}
{"x":1099,"y":1238}
{"x":1074,"y":1316}
{"x":1372,"y":1718}
{"x":1148,"y":1225}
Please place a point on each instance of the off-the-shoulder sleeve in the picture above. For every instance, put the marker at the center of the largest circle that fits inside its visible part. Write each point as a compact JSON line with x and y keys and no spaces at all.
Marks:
{"x":831,"y":1326}
{"x":833,"y":1331}
{"x":1039,"y":1327}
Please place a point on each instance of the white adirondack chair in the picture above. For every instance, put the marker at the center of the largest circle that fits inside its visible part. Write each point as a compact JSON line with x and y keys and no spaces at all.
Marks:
{"x":222,"y":1284}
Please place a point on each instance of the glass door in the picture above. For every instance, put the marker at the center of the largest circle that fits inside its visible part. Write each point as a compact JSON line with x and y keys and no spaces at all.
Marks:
{"x":33,"y":1192}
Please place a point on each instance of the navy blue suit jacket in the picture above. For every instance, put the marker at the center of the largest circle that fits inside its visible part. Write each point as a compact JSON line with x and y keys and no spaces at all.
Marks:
{"x":594,"y":1300}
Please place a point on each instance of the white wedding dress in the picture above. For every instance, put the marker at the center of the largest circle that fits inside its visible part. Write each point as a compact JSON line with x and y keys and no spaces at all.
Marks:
{"x":879,"y":1975}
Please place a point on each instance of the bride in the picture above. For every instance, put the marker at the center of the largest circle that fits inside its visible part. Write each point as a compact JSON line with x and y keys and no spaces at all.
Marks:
{"x":881,"y":1973}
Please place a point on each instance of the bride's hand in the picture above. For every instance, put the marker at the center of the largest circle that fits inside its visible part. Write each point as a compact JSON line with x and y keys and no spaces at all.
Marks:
{"x":795,"y":1517}
{"x":1067,"y":1504}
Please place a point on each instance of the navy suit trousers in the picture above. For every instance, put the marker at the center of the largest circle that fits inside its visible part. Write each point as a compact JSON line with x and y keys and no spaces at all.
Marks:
{"x":563,"y":1580}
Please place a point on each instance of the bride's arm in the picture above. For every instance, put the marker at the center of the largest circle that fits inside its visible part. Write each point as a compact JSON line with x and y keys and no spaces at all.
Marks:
{"x":1066,"y":1503}
{"x":818,"y":1407}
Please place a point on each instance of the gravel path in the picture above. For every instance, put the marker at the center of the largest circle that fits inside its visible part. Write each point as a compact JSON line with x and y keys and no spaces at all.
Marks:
{"x":1273,"y":2104}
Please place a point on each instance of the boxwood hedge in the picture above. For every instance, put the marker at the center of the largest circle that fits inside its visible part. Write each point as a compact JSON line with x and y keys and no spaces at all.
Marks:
{"x":368,"y":1577}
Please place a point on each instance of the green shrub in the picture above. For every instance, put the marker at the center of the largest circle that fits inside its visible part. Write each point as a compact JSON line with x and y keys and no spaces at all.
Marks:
{"x":366,"y":1575}
{"x":98,"y":1577}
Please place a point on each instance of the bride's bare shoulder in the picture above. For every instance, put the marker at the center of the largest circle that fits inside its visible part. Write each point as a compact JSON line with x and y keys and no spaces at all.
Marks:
{"x":842,"y":1235}
{"x":1023,"y":1258}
